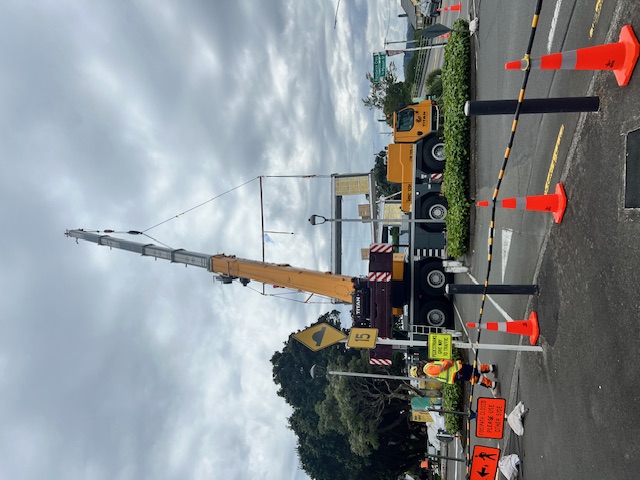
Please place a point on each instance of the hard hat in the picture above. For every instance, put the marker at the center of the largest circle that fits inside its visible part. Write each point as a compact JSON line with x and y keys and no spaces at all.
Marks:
{"x":414,"y":371}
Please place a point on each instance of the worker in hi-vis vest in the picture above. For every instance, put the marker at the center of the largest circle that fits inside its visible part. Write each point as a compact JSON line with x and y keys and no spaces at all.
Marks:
{"x":449,"y":371}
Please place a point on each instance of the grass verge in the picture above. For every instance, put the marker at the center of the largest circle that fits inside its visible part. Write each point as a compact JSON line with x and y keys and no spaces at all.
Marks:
{"x":456,"y":78}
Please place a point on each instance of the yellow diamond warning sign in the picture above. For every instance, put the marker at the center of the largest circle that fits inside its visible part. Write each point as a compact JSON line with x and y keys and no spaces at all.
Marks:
{"x":319,"y":336}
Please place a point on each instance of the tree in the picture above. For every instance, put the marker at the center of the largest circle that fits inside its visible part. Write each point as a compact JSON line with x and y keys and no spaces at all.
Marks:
{"x":397,"y":96}
{"x":347,"y":427}
{"x":388,"y":94}
{"x":384,"y":187}
{"x":371,"y":409}
{"x":376,"y":94}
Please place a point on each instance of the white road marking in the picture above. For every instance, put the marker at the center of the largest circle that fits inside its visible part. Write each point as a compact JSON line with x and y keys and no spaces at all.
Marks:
{"x":554,"y":22}
{"x":506,"y":246}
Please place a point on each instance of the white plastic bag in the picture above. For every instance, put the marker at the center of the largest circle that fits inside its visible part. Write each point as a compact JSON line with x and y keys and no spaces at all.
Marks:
{"x":515,"y":419}
{"x":508,"y":466}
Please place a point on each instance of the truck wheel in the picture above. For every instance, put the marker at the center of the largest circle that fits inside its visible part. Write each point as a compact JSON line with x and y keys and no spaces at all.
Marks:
{"x":434,"y":207}
{"x":433,"y":278}
{"x":433,"y":155}
{"x":435,"y":314}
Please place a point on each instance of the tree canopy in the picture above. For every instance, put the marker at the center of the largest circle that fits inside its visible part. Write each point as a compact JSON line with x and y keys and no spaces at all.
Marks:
{"x":388,"y":94}
{"x":384,"y":186}
{"x":347,"y":427}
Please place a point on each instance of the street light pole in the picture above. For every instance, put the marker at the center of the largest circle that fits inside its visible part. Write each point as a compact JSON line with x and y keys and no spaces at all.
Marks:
{"x":319,"y":220}
{"x":313,"y":374}
{"x":401,"y":41}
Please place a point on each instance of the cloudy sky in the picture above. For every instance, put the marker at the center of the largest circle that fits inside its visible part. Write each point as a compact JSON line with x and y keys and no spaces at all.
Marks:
{"x":121,"y":114}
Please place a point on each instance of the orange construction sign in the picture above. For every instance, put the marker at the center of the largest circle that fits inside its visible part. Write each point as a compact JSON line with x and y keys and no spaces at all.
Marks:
{"x":484,"y":464}
{"x":490,"y":419}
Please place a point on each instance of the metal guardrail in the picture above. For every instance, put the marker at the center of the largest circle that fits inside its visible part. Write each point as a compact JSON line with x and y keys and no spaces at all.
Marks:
{"x":419,"y":78}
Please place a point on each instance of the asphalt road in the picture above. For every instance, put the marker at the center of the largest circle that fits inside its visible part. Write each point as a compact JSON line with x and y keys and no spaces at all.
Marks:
{"x":582,"y":391}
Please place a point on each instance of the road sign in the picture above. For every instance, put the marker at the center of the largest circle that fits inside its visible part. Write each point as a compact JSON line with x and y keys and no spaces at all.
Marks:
{"x":420,"y":416}
{"x":319,"y":336}
{"x":379,"y":66}
{"x":440,"y":346}
{"x":362,"y":338}
{"x":490,"y":421}
{"x":484,"y":464}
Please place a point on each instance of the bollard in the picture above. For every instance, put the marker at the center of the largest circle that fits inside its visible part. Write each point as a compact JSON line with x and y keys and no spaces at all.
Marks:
{"x":461,"y":288}
{"x":532,"y":105}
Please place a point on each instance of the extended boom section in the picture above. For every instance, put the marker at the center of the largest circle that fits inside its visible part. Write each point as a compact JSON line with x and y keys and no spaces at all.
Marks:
{"x":339,"y":287}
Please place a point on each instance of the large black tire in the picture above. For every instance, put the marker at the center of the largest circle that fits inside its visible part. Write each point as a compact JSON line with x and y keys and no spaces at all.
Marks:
{"x":433,"y":278}
{"x":435,"y":313}
{"x":434,"y":207}
{"x":433,"y":159}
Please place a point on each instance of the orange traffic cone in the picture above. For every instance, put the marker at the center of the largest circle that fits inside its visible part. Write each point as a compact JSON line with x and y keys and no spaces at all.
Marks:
{"x":519,"y":327}
{"x":453,"y":8}
{"x":552,"y":202}
{"x":620,"y":57}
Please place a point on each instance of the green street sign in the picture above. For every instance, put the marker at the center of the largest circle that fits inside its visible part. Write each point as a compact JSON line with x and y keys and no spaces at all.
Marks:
{"x":379,"y":66}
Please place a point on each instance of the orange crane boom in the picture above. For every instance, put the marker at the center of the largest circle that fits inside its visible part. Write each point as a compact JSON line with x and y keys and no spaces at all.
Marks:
{"x":339,"y":287}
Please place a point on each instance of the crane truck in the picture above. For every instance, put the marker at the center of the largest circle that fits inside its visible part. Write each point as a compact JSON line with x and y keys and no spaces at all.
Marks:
{"x":376,"y":299}
{"x":416,"y":160}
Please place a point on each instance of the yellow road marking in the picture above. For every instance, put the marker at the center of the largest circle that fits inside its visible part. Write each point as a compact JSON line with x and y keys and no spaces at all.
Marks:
{"x":554,"y":160}
{"x":596,"y":17}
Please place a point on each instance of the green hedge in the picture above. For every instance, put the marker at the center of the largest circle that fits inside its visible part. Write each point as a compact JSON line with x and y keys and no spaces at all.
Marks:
{"x":452,"y":400}
{"x":455,"y":85}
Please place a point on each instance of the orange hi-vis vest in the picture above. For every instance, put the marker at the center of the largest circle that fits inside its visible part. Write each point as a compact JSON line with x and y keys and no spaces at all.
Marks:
{"x":443,"y":370}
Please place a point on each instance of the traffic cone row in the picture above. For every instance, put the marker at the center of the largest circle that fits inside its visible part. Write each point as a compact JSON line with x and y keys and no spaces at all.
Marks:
{"x":621,"y":57}
{"x":529,"y":327}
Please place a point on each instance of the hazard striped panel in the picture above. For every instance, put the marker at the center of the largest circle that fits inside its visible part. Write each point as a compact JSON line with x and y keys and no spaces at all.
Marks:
{"x":379,"y":276}
{"x":384,"y":362}
{"x":381,"y":355}
{"x":436,"y":178}
{"x":381,"y":248}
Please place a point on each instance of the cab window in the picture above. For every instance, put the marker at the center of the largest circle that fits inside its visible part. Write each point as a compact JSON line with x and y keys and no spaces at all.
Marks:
{"x":404,"y":121}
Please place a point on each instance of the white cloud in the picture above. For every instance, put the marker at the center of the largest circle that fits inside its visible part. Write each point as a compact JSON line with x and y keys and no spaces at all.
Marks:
{"x":122,"y":116}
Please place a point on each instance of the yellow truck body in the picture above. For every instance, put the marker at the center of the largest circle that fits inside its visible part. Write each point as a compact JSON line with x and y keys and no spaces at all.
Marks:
{"x":400,"y":160}
{"x":415,"y":121}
